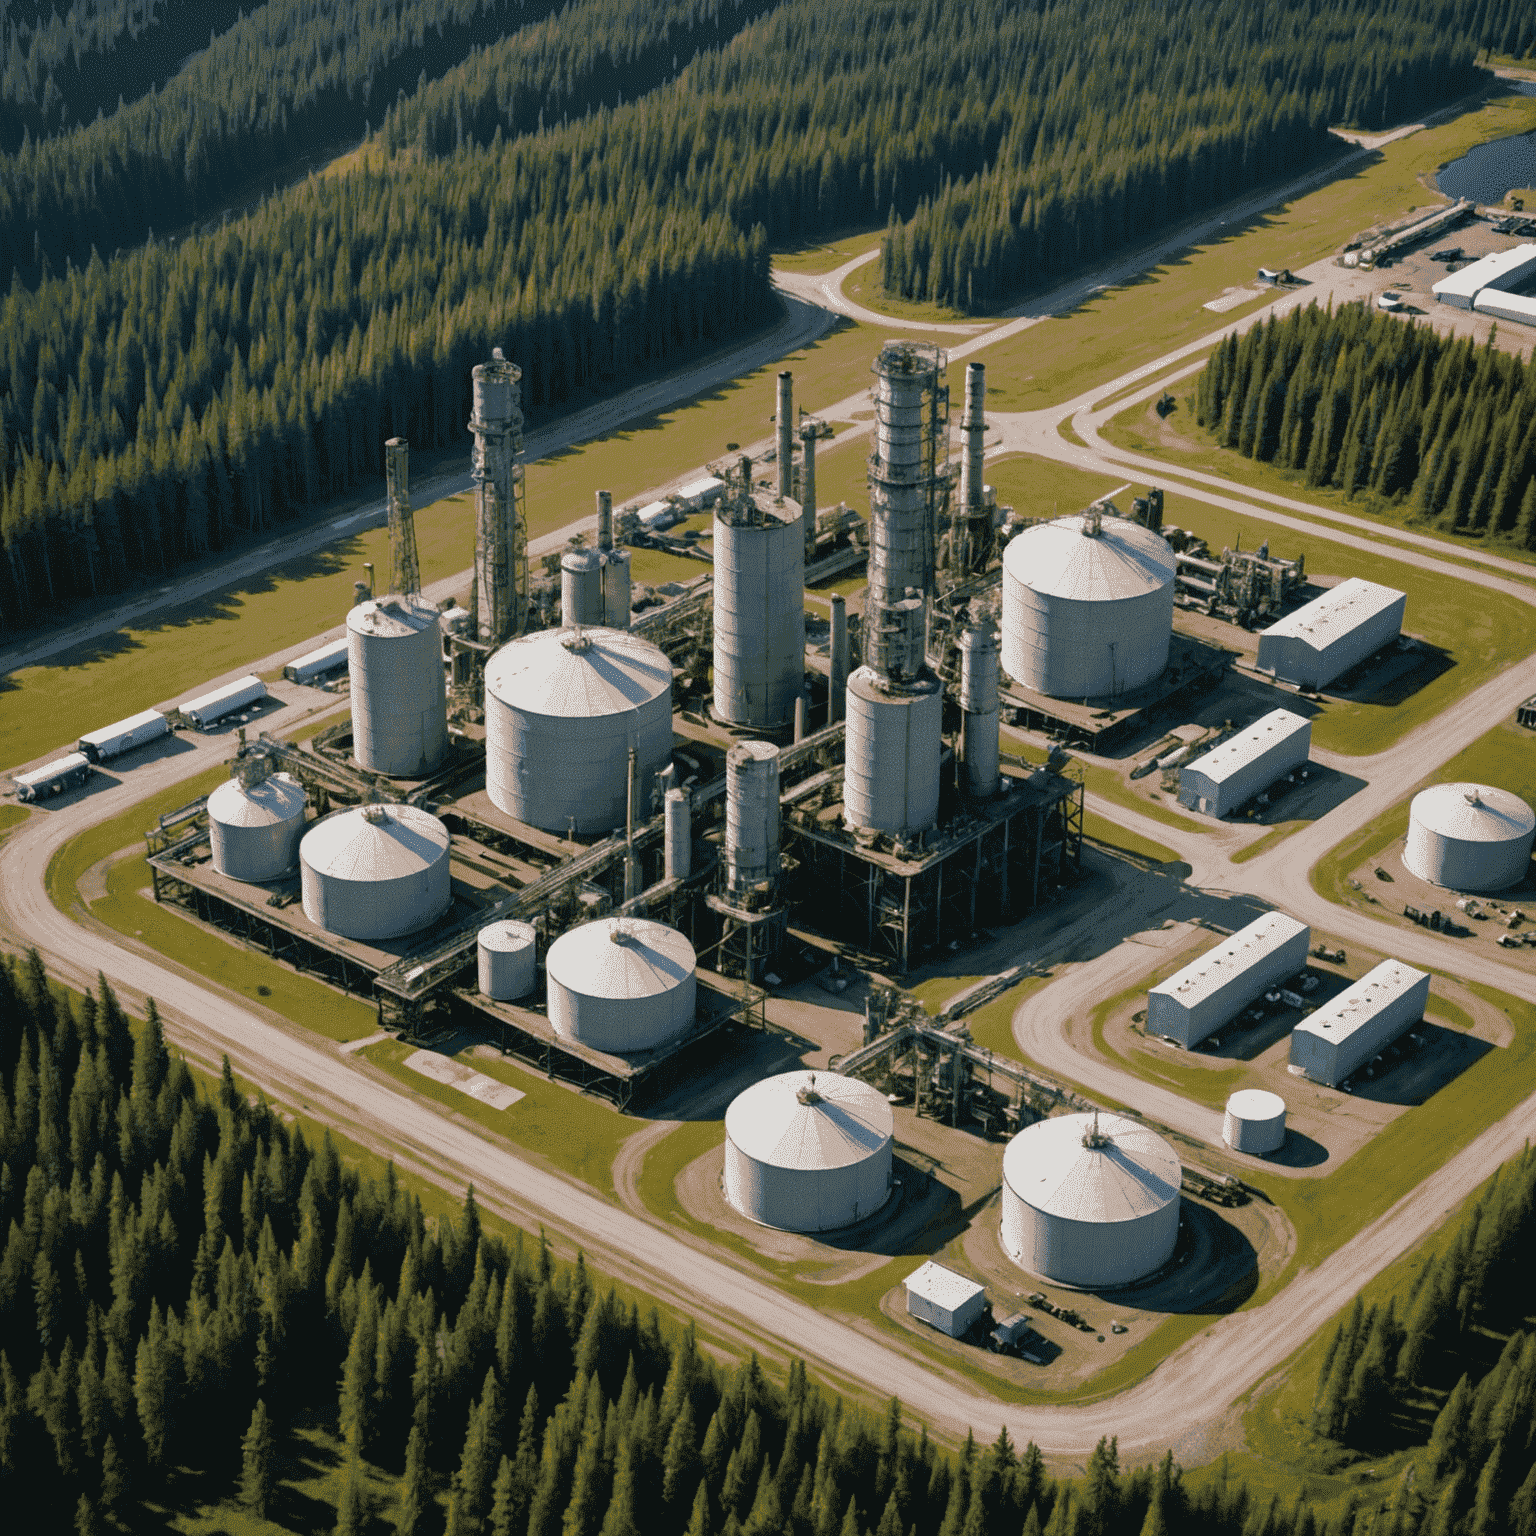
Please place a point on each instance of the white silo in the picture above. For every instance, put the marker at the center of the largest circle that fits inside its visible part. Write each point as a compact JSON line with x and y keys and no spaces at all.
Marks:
{"x":1090,"y":1200}
{"x":677,"y":830}
{"x":375,"y":871}
{"x":808,"y":1151}
{"x":618,"y":588}
{"x":254,"y":827}
{"x":1254,"y":1121}
{"x":620,"y":984}
{"x":979,"y":712}
{"x":1087,"y":606}
{"x":562,"y":709}
{"x":507,"y":955}
{"x":751,"y":814}
{"x":759,"y":610}
{"x":399,"y":695}
{"x":1469,"y":837}
{"x":581,"y":587}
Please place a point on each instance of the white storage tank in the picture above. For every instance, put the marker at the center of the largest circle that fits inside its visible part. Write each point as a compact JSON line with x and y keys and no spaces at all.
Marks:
{"x":620,"y":984}
{"x":891,"y":755}
{"x":254,"y":829}
{"x":1469,"y":837}
{"x":808,"y":1151}
{"x":507,"y":953}
{"x":751,"y":814}
{"x":375,"y":871}
{"x":581,"y":587}
{"x":1090,"y":1200}
{"x":399,"y":696}
{"x":562,"y":709}
{"x":1087,"y":606}
{"x":1254,"y":1122}
{"x":618,"y":588}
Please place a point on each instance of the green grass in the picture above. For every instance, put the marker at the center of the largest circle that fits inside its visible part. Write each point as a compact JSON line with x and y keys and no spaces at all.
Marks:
{"x":1107,"y":782}
{"x":577,"y":1134}
{"x":1264,"y":844}
{"x":12,"y":816}
{"x":828,"y":255}
{"x":863,"y":286}
{"x":1166,"y":1068}
{"x":1101,"y":830}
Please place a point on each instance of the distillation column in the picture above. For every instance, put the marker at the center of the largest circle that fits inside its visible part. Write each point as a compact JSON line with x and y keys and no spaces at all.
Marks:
{"x":786,"y":424}
{"x":406,"y":575}
{"x":808,"y":486}
{"x":979,"y":712}
{"x":499,"y":596}
{"x":968,"y":527}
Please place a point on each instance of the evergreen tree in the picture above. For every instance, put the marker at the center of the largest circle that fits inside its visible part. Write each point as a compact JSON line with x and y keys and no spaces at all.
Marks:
{"x":257,"y":1480}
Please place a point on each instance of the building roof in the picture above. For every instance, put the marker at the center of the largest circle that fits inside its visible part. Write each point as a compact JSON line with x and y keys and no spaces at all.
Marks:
{"x":1250,"y":744}
{"x":696,"y":489}
{"x":250,"y":683}
{"x":1491,"y":271}
{"x":578,"y":673}
{"x":810,"y":1120}
{"x":1472,"y":813}
{"x":375,"y":842}
{"x":1063,"y":558}
{"x":1216,"y":967}
{"x":621,"y":957}
{"x":1336,"y":613}
{"x":1358,"y":1005}
{"x":1054,"y":1167}
{"x":277,"y":798}
{"x":1509,"y":306}
{"x":943,"y":1286}
{"x":132,"y":723}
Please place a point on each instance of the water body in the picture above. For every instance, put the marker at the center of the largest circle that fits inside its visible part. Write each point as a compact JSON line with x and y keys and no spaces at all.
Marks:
{"x":1486,"y":174}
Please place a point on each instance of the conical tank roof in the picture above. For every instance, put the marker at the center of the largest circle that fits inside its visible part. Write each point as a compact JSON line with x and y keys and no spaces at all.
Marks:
{"x":375,"y":842}
{"x":1472,"y":813}
{"x":1066,"y":558}
{"x":578,"y":673}
{"x":809,"y":1120}
{"x":277,"y":798}
{"x":1093,"y":1168}
{"x":392,"y":617}
{"x":621,"y":957}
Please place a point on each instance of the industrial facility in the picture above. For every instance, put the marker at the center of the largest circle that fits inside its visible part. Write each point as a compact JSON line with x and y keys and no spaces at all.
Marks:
{"x":1332,"y":1044}
{"x":1331,"y":634}
{"x":1211,"y":991}
{"x":1244,"y":765}
{"x":1469,"y":837}
{"x":1484,"y":285}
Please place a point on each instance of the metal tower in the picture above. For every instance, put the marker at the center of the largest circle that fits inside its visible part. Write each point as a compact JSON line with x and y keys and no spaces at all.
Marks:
{"x":499,"y":596}
{"x":405,"y":575}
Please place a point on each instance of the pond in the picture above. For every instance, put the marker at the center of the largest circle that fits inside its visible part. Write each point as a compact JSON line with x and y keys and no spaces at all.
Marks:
{"x":1487,"y":173}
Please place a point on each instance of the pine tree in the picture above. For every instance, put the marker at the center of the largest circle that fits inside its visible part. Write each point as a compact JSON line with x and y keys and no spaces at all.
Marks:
{"x":351,"y":1508}
{"x":1448,"y":1439}
{"x":414,"y":1492}
{"x":257,"y":1482}
{"x":503,"y":1502}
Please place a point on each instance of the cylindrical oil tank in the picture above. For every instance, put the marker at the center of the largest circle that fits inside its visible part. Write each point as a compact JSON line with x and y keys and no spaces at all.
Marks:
{"x":892,"y":750}
{"x":678,"y":832}
{"x":1090,"y":1200}
{"x":375,"y":871}
{"x":620,"y":984}
{"x":1254,"y":1121}
{"x":562,"y":709}
{"x":1087,"y":606}
{"x":255,"y":829}
{"x":979,"y":711}
{"x":399,"y":696}
{"x":1469,"y":837}
{"x":751,"y":814}
{"x":808,"y":1151}
{"x":618,"y":589}
{"x":507,"y":953}
{"x":581,"y":587}
{"x":759,"y":614}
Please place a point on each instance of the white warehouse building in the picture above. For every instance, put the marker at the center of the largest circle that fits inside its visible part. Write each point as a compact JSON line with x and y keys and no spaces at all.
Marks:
{"x":1200,"y":999}
{"x":1343,"y":1035}
{"x":944,"y":1300}
{"x":1332,"y":633}
{"x":1246,"y":764}
{"x":1498,"y":270}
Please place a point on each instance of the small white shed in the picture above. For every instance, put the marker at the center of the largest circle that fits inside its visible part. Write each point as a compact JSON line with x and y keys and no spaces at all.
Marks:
{"x":944,"y":1300}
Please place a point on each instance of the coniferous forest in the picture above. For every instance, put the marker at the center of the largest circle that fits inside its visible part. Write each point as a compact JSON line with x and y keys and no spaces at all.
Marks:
{"x":1371,"y":404}
{"x":186,"y":1275}
{"x":593,"y":188}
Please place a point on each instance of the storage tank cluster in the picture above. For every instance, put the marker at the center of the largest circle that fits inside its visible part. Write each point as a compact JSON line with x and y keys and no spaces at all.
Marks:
{"x":808,"y":1151}
{"x":375,"y":872}
{"x":1090,"y":1200}
{"x":1469,"y":837}
{"x":621,"y":984}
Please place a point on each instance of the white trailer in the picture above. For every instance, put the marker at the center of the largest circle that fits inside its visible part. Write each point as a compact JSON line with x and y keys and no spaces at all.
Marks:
{"x":54,"y":778}
{"x":1233,"y":773}
{"x":1366,"y":1018}
{"x":698,"y":494}
{"x":209,"y":708}
{"x":319,"y":663}
{"x":1331,"y":634}
{"x":944,"y":1300}
{"x":114,"y":740}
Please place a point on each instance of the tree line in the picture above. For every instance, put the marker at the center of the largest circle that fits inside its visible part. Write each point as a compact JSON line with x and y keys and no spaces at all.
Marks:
{"x":187,"y":1276}
{"x":1380,"y":407}
{"x":1099,"y":144}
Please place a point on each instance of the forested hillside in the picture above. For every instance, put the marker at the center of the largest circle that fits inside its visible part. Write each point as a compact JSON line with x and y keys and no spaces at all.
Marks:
{"x":1381,"y":407}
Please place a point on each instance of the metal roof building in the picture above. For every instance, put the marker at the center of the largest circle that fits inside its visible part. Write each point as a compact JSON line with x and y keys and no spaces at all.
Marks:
{"x":1506,"y":306}
{"x":1332,"y":633}
{"x":944,"y":1300}
{"x":1499,"y":269}
{"x":317,"y":663}
{"x":1469,"y":837}
{"x":1343,"y":1035}
{"x":1209,"y":991}
{"x":1087,"y":606}
{"x":1245,"y":764}
{"x":808,"y":1151}
{"x":1090,"y":1200}
{"x":621,"y":984}
{"x":114,"y":740}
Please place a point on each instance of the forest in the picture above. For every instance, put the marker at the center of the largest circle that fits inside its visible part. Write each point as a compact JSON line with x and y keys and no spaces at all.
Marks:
{"x":187,"y":1276}
{"x":1383,"y":409}
{"x":595,"y":191}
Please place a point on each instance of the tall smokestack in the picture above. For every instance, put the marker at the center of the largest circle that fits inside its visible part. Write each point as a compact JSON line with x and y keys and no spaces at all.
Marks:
{"x":979,"y":706}
{"x":605,"y":520}
{"x":973,"y":431}
{"x":786,"y":421}
{"x":808,"y":486}
{"x":837,"y":656}
{"x":499,"y":593}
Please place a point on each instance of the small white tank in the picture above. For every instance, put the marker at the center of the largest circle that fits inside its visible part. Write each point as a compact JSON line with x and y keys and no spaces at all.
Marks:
{"x":254,"y":830}
{"x":508,"y":954}
{"x":618,"y":589}
{"x":375,"y":871}
{"x":1254,"y":1122}
{"x":1469,"y":837}
{"x":892,"y":747}
{"x":751,"y":814}
{"x":399,"y":694}
{"x":621,"y":984}
{"x":581,"y":587}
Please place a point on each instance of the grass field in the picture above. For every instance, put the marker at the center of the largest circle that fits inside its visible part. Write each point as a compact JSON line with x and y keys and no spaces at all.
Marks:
{"x":863,"y":286}
{"x":829,"y":254}
{"x":1101,"y":830}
